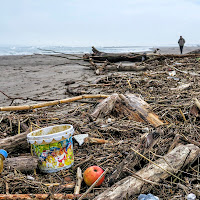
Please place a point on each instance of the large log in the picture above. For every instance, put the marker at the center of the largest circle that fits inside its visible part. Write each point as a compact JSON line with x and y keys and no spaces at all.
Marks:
{"x":22,"y":163}
{"x":170,"y":163}
{"x":114,"y":57}
{"x":107,"y":66}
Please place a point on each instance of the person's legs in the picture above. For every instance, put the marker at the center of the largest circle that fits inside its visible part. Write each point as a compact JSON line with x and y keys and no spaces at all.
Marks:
{"x":181,"y":49}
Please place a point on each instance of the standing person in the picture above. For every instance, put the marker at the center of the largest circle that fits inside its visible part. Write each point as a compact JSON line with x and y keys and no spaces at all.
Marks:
{"x":181,"y":43}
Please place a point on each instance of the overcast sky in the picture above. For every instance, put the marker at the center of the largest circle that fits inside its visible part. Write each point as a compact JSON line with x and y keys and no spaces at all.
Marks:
{"x":99,"y":23}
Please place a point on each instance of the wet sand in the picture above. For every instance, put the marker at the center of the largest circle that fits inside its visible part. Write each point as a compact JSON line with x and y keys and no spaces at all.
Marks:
{"x":44,"y":76}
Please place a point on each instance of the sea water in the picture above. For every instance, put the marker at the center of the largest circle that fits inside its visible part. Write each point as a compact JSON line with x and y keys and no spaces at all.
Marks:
{"x":30,"y":50}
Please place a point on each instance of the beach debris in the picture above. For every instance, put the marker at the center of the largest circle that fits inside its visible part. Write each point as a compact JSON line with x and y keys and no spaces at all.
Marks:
{"x":122,"y":66}
{"x":69,"y":82}
{"x":22,"y":163}
{"x":14,"y":143}
{"x":79,"y":179}
{"x":84,"y":138}
{"x":84,"y":161}
{"x":80,"y":138}
{"x":106,"y":106}
{"x":156,"y":171}
{"x":112,"y":57}
{"x":172,"y":73}
{"x":182,"y":86}
{"x":92,"y":140}
{"x":174,"y":78}
{"x":147,"y":197}
{"x":195,"y":109}
{"x":130,"y":106}
{"x":194,"y":52}
{"x":191,"y":196}
{"x":42,"y":196}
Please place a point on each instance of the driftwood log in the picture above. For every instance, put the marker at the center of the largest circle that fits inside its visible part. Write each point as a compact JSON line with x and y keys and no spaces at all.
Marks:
{"x":22,"y":163}
{"x":15,"y":143}
{"x":130,"y":106}
{"x":107,"y":66}
{"x":170,"y":164}
{"x":133,"y":57}
{"x":114,"y":57}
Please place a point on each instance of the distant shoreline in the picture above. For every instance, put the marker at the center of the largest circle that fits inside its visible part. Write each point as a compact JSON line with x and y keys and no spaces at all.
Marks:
{"x":12,"y":51}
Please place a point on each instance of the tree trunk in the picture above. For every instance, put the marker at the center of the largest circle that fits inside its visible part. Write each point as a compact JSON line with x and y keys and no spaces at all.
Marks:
{"x":172,"y":162}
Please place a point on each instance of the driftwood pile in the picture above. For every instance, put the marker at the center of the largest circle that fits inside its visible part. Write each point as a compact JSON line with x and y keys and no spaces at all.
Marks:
{"x":145,"y":134}
{"x":101,"y":62}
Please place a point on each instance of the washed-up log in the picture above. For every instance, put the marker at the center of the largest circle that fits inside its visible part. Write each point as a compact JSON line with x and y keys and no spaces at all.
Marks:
{"x":168,"y":165}
{"x":22,"y":163}
{"x":114,"y":57}
{"x":117,"y":67}
{"x":15,"y":143}
{"x":41,"y":196}
{"x":124,"y":67}
{"x":130,"y":106}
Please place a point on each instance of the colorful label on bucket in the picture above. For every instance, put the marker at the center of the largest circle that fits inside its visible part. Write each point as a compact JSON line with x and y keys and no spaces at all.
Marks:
{"x":55,"y":156}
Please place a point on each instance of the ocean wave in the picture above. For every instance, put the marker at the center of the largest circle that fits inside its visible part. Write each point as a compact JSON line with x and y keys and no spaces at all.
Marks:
{"x":30,"y":50}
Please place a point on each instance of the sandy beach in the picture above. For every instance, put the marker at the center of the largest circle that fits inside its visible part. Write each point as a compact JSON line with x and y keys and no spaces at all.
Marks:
{"x":44,"y":76}
{"x":39,"y":76}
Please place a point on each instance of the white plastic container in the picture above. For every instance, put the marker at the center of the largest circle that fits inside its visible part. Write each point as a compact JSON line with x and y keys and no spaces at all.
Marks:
{"x":54,"y":147}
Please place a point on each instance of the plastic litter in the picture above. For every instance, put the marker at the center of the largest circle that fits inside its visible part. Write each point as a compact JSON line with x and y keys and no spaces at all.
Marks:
{"x":80,"y":138}
{"x":54,"y":147}
{"x":172,"y":73}
{"x":174,"y":78}
{"x":147,"y":197}
{"x":3,"y":155}
{"x":191,"y":196}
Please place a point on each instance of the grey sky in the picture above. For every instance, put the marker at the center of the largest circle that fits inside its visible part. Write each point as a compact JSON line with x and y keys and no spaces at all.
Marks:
{"x":99,"y":23}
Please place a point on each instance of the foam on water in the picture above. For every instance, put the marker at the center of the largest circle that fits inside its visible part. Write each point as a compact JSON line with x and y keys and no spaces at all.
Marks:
{"x":29,"y":50}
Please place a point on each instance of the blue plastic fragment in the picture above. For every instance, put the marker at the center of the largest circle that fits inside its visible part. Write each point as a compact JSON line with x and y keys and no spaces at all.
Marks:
{"x":147,"y":197}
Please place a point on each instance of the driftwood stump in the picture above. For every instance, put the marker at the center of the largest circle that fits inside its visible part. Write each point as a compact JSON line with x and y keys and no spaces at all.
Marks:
{"x":130,"y":106}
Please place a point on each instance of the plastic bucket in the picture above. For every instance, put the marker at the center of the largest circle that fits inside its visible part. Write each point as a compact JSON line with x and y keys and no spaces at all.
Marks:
{"x":54,"y":147}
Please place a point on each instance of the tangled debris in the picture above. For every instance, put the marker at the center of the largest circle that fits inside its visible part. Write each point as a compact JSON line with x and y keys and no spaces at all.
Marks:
{"x":169,"y":85}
